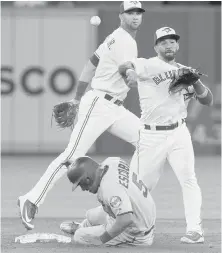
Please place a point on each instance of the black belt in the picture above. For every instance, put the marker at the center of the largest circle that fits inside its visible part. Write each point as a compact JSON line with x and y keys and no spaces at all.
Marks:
{"x":116,"y":102}
{"x":147,"y":232}
{"x":169,"y":127}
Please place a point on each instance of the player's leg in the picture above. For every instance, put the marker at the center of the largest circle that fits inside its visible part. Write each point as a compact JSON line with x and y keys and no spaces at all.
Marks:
{"x":181,"y":158}
{"x":94,"y":217}
{"x":93,"y":119}
{"x":90,"y":235}
{"x":149,"y":156}
{"x":126,"y":125}
{"x":150,"y":153}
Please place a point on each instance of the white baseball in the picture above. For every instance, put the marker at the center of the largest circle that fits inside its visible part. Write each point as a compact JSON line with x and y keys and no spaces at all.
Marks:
{"x":95,"y":20}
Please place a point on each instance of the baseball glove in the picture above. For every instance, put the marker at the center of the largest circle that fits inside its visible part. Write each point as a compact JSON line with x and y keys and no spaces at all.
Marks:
{"x":65,"y":114}
{"x":183,"y":78}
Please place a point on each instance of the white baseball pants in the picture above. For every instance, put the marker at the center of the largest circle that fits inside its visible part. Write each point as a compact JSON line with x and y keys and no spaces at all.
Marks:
{"x":96,"y":115}
{"x":154,"y":147}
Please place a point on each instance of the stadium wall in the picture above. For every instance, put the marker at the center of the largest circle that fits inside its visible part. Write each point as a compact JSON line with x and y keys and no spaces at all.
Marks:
{"x":44,"y":51}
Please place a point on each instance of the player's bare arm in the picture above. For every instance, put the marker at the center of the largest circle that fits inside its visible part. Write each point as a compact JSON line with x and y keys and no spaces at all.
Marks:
{"x":203,"y":94}
{"x":65,"y":113}
{"x":86,"y":77}
{"x":122,"y":222}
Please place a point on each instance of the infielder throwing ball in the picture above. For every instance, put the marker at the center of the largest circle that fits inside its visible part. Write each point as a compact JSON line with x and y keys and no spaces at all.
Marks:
{"x":127,"y":214}
{"x":164,"y":134}
{"x":100,"y":109}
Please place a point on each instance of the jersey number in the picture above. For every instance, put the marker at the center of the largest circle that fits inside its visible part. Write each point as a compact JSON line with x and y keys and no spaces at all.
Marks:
{"x":140,"y":185}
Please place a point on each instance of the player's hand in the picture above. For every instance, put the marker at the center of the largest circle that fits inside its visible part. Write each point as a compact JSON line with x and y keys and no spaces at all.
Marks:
{"x":131,"y":78}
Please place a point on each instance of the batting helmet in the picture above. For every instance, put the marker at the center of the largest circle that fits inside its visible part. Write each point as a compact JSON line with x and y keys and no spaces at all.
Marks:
{"x":82,"y":169}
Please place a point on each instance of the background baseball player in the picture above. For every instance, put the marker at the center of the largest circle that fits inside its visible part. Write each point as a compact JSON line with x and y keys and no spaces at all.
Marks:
{"x":164,"y":134}
{"x":128,"y":212}
{"x":100,"y":108}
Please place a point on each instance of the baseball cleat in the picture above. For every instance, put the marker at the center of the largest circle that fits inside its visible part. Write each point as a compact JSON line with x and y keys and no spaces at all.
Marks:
{"x":192,"y":237}
{"x":27,"y":212}
{"x":69,"y":227}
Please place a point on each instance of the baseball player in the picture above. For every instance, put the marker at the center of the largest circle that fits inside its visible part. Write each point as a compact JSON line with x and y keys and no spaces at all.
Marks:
{"x":100,"y":109}
{"x":164,"y":134}
{"x":127,"y":213}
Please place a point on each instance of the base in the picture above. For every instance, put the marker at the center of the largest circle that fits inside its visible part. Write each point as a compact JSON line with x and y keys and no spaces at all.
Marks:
{"x":42,"y":237}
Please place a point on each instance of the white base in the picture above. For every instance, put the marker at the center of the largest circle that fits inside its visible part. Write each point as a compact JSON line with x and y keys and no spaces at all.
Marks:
{"x":42,"y":237}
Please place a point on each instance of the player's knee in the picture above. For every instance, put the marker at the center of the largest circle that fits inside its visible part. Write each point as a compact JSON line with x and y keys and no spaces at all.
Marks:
{"x":190,"y":182}
{"x":96,"y":216}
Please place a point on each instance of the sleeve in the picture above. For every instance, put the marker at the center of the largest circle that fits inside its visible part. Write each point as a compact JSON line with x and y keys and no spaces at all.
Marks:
{"x":119,"y":202}
{"x":99,"y":50}
{"x":96,"y":56}
{"x":121,"y":49}
{"x":139,"y":65}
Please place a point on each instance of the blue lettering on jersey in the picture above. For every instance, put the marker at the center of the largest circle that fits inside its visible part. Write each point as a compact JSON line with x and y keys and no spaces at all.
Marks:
{"x":163,"y":76}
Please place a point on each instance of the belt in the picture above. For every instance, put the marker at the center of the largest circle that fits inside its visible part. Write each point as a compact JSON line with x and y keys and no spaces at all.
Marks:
{"x":148,"y":231}
{"x":169,"y":127}
{"x":115,"y":101}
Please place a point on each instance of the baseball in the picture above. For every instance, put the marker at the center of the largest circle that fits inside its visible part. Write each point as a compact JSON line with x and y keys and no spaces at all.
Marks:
{"x":95,"y":20}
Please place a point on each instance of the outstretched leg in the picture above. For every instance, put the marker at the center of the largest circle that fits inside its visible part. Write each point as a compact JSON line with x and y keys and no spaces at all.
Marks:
{"x":92,"y":122}
{"x":181,"y":159}
{"x":94,"y":217}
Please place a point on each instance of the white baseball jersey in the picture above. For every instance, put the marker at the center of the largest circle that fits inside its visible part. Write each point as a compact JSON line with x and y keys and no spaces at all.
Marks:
{"x":155,"y":147}
{"x":118,"y":48}
{"x":121,"y":191}
{"x":157,"y":105}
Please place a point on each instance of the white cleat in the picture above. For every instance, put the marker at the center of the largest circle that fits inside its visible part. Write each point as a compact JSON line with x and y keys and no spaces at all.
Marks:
{"x":192,"y":237}
{"x":27,"y":212}
{"x":69,"y":227}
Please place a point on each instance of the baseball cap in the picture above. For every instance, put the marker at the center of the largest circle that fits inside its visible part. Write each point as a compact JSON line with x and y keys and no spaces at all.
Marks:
{"x":165,"y":32}
{"x":130,"y":5}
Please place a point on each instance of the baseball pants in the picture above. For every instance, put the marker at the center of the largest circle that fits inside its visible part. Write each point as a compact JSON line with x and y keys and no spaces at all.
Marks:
{"x":95,"y":224}
{"x":96,"y":115}
{"x":154,"y":147}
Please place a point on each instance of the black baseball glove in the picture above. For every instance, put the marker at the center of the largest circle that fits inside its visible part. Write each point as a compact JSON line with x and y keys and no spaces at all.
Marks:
{"x":65,"y":114}
{"x":183,"y":78}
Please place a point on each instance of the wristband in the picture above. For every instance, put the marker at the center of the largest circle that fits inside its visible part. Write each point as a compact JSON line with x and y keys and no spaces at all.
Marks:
{"x":203,"y":95}
{"x":105,"y":237}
